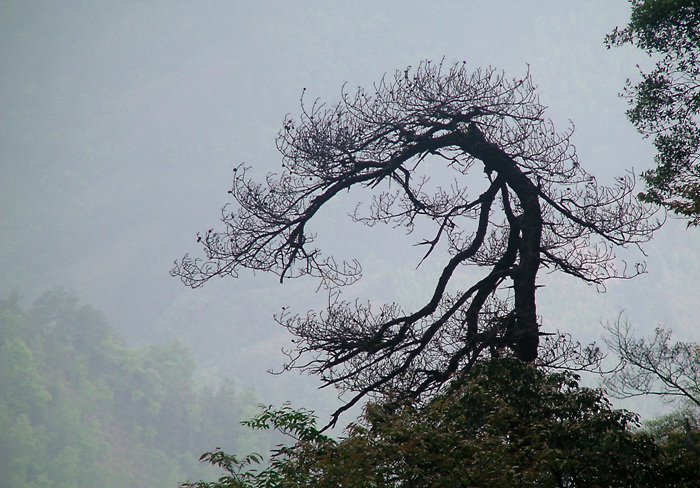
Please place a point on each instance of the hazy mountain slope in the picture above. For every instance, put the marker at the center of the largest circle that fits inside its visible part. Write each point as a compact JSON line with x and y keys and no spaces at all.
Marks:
{"x":121,"y":123}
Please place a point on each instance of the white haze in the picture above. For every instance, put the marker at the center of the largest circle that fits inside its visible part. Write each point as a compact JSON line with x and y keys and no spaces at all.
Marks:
{"x":121,"y":123}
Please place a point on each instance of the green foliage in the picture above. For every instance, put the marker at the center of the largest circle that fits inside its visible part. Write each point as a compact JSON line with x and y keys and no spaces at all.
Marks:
{"x":504,"y":424}
{"x":288,"y":466}
{"x":19,"y":375}
{"x":677,"y":432}
{"x":666,"y":102}
{"x":78,"y":406}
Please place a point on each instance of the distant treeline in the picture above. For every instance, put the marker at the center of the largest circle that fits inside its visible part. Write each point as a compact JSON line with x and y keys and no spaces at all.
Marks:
{"x":80,"y":409}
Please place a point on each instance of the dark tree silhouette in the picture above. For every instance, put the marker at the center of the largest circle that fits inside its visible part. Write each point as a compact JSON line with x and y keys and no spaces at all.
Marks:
{"x":533,"y":207}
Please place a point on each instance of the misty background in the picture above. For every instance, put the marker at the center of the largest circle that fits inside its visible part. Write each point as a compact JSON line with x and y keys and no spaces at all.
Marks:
{"x":120,"y":123}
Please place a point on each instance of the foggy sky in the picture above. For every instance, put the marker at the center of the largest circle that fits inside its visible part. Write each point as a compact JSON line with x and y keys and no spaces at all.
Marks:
{"x":121,"y":123}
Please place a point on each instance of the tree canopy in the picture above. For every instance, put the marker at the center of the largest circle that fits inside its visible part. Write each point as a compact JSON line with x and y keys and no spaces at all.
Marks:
{"x":665,"y":104}
{"x":519,"y":201}
{"x":505,"y":423}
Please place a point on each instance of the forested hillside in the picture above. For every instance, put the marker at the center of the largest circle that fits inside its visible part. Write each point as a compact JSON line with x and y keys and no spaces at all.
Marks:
{"x":79,"y":409}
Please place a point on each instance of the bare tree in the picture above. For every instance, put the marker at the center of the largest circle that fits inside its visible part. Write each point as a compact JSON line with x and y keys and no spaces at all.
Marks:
{"x":653,"y":366}
{"x":533,"y":207}
{"x":657,"y":366}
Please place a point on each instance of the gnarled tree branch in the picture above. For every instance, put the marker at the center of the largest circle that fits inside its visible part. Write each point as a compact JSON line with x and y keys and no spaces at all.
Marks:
{"x":536,"y":207}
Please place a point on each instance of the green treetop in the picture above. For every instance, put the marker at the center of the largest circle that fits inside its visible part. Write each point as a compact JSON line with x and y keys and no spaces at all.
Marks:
{"x":666,"y":102}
